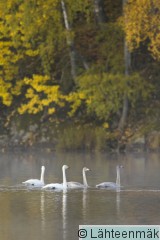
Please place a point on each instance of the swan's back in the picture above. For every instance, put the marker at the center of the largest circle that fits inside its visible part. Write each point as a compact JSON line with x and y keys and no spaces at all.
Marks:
{"x":75,"y":185}
{"x":33,"y":183}
{"x":53,"y":186}
{"x":107,"y":185}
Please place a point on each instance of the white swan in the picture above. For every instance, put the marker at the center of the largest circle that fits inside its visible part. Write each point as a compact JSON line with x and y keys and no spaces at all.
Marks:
{"x":54,"y":186}
{"x":112,"y":185}
{"x":36,"y":182}
{"x":77,"y":184}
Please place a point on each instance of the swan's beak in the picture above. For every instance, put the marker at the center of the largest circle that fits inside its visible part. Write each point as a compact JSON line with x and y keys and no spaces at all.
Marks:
{"x":65,"y":166}
{"x":88,"y":170}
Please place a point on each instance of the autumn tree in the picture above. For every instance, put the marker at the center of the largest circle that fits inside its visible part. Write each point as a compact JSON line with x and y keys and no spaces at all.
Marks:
{"x":143,"y":20}
{"x":143,"y":39}
{"x":68,"y":56}
{"x":35,"y":38}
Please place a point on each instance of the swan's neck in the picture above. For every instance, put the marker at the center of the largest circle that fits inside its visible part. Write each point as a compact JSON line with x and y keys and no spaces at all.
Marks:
{"x":64,"y":179}
{"x":118,"y":176}
{"x":42,"y":175}
{"x":85,"y":179}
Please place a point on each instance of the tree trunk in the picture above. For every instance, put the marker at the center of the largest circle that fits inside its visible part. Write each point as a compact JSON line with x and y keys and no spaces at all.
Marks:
{"x":123,"y":119}
{"x":98,"y":9}
{"x":70,"y":42}
{"x":127,"y":60}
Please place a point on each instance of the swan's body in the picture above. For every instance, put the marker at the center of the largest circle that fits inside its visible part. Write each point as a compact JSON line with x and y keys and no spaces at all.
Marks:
{"x":54,"y":186}
{"x":112,"y":185}
{"x":36,"y":182}
{"x":107,"y":185}
{"x":77,"y":184}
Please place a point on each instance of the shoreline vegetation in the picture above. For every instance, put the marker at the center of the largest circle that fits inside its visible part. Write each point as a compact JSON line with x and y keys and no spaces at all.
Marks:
{"x":76,"y":137}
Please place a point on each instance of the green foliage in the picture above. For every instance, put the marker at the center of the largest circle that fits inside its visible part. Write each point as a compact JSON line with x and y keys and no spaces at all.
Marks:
{"x":102,"y":47}
{"x":103,"y":93}
{"x":110,"y":40}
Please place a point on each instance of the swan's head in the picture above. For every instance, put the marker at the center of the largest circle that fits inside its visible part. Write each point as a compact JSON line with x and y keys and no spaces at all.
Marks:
{"x":119,"y":166}
{"x":85,"y":169}
{"x":65,"y":167}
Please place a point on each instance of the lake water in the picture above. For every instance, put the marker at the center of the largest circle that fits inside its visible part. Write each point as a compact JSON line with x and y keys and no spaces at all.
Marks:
{"x":50,"y":215}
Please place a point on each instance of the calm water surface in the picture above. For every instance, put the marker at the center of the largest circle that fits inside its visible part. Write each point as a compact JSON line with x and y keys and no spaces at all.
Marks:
{"x":49,"y":215}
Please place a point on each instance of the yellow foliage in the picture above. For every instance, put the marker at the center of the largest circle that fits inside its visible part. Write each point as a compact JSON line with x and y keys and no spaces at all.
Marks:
{"x":16,"y":90}
{"x":105,"y":125}
{"x":40,"y":94}
{"x":89,"y":100}
{"x":30,"y":93}
{"x":141,"y":22}
{"x":76,"y":99}
{"x":4,"y":92}
{"x":32,"y":53}
{"x":51,"y":110}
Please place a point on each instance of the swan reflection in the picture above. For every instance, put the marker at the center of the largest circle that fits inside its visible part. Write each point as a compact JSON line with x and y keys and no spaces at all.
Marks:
{"x":118,"y":201}
{"x":42,"y":211}
{"x":64,"y":213}
{"x":84,"y":203}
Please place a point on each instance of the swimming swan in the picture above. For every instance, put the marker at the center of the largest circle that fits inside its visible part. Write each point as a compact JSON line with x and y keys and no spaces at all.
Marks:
{"x":54,"y":186}
{"x":36,"y":182}
{"x":112,"y":185}
{"x":77,"y":184}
